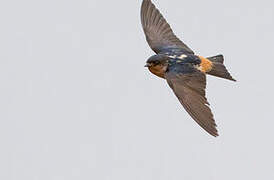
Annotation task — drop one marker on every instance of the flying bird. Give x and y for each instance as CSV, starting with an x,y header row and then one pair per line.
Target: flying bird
x,y
184,71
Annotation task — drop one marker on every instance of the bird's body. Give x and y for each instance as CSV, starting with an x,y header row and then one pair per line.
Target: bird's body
x,y
182,61
184,71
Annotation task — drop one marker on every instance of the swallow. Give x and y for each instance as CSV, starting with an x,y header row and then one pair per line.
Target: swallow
x,y
184,71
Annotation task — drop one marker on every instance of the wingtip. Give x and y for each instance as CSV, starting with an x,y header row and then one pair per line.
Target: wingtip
x,y
213,133
232,79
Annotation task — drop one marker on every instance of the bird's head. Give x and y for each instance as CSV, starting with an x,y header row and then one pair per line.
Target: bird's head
x,y
157,60
158,64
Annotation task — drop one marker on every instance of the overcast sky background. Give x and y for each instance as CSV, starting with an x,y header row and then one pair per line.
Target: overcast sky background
x,y
77,103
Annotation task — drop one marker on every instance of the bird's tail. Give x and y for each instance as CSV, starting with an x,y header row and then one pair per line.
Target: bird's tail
x,y
218,68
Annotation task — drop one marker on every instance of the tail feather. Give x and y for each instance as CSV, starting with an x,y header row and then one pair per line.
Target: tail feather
x,y
219,68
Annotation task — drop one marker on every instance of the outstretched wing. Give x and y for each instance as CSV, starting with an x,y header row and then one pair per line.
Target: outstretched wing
x,y
159,35
189,85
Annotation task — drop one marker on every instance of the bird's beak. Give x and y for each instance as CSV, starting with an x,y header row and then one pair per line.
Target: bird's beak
x,y
147,65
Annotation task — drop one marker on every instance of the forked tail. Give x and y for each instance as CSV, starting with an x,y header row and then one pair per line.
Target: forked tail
x,y
219,68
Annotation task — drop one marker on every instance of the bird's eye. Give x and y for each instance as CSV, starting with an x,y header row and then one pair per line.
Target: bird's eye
x,y
156,63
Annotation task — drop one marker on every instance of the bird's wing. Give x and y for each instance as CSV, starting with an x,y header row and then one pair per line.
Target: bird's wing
x,y
159,34
189,85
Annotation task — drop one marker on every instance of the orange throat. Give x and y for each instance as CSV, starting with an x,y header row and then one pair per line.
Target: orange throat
x,y
158,70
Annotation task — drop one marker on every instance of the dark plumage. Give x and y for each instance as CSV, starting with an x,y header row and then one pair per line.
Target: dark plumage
x,y
184,71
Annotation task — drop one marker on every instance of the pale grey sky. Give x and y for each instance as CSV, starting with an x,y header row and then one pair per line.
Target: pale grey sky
x,y
77,103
